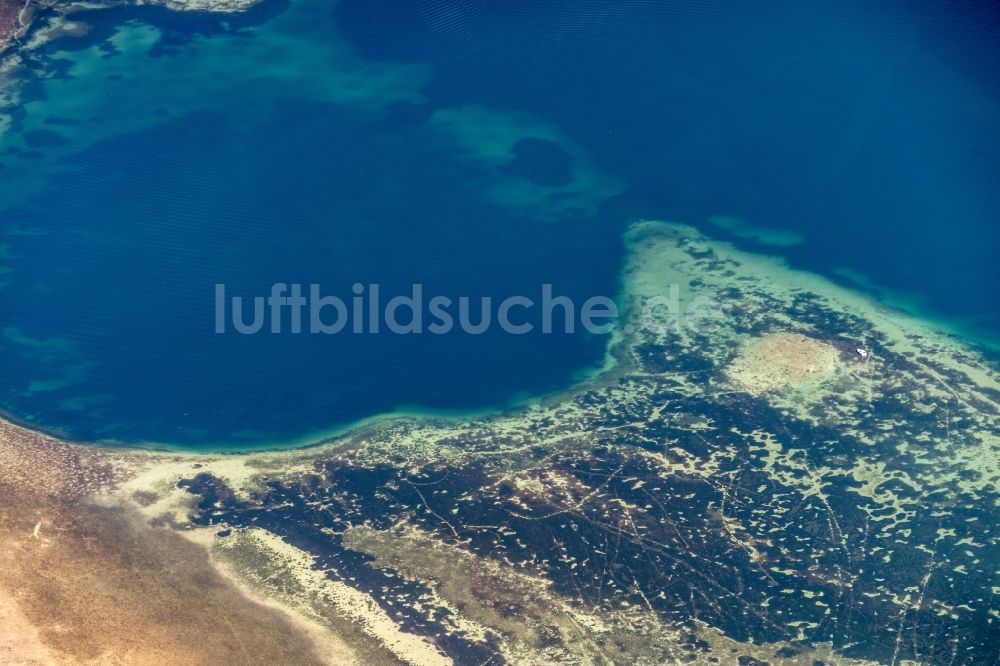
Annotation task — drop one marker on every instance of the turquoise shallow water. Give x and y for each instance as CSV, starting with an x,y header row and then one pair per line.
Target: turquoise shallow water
x,y
479,152
145,177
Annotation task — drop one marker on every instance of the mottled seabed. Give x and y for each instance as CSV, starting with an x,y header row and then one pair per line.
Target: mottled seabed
x,y
752,494
305,119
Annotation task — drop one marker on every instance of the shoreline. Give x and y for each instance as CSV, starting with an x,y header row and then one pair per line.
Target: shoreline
x,y
611,364
585,375
278,531
755,491
581,380
614,364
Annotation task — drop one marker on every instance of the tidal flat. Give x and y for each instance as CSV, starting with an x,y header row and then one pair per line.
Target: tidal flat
x,y
809,478
708,498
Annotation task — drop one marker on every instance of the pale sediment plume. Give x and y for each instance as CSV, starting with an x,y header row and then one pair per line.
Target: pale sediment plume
x,y
331,70
26,25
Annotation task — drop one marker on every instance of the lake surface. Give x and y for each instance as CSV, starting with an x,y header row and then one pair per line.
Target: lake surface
x,y
479,149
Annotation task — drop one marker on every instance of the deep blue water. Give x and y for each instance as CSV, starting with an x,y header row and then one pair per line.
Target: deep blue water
x,y
870,129
116,290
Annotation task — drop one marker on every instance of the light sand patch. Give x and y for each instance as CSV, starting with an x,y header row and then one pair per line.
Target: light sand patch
x,y
19,640
330,648
56,28
350,602
96,584
783,360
